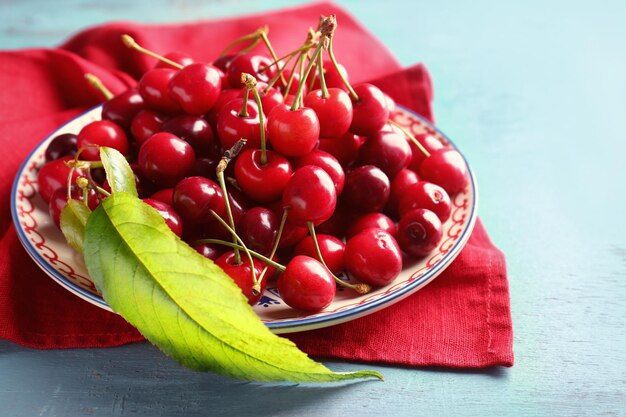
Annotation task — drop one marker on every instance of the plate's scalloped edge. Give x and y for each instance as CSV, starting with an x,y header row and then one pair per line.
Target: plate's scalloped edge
x,y
448,248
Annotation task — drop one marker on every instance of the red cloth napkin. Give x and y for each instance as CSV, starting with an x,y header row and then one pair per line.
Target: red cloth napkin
x,y
462,319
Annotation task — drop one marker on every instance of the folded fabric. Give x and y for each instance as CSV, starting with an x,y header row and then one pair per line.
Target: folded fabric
x,y
462,319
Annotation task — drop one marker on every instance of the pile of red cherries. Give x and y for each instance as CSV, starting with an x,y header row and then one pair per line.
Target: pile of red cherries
x,y
259,161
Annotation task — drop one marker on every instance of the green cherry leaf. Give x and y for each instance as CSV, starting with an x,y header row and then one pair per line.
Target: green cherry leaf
x,y
73,221
119,173
184,303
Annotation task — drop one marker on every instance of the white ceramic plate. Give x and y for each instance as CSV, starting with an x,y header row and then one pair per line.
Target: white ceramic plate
x,y
47,246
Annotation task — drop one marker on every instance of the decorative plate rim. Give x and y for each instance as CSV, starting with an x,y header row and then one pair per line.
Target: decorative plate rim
x,y
281,325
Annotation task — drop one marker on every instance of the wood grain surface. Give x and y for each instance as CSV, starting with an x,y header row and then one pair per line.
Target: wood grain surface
x,y
534,94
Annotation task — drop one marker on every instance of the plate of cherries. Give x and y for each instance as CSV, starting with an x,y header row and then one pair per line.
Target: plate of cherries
x,y
324,201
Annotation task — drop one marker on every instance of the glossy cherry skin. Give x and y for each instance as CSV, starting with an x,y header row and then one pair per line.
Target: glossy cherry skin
x,y
209,250
58,201
165,195
388,150
447,168
196,87
419,232
367,189
370,112
306,284
331,76
176,56
332,250
258,228
399,184
334,112
345,149
270,98
53,175
293,133
242,274
165,159
262,183
373,257
426,195
232,126
154,89
60,146
373,220
122,108
325,161
310,196
145,124
252,64
292,234
430,143
172,219
194,197
194,130
338,223
101,133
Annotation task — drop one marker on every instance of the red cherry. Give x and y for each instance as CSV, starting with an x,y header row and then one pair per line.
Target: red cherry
x,y
447,168
101,133
225,96
242,274
429,142
154,86
53,175
399,184
389,151
164,195
194,130
196,87
338,222
145,124
332,250
332,77
325,161
345,148
165,158
367,189
372,220
419,232
292,234
373,257
258,228
232,126
262,183
176,56
209,250
172,219
252,64
370,112
58,201
306,284
60,146
426,195
270,98
122,108
334,112
194,197
293,132
309,196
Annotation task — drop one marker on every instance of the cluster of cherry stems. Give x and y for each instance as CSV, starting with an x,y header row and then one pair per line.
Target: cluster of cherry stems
x,y
255,159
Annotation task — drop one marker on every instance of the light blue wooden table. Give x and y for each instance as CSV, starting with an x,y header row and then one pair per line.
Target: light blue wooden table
x,y
535,96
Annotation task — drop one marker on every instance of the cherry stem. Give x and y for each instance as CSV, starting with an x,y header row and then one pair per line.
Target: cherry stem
x,y
254,37
130,43
360,287
96,83
257,255
244,107
320,70
411,137
303,77
250,83
267,43
279,234
256,287
331,55
221,167
279,74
